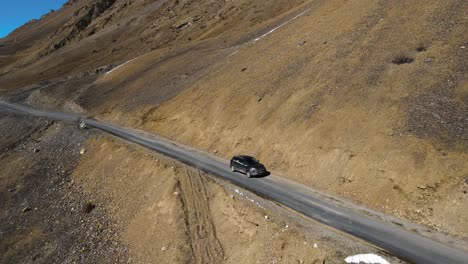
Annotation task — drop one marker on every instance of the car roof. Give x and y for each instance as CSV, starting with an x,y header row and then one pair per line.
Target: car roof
x,y
243,156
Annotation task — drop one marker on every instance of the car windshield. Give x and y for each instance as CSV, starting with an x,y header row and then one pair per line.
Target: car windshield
x,y
251,160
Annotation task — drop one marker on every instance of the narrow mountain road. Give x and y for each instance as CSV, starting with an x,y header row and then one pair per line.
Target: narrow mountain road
x,y
402,243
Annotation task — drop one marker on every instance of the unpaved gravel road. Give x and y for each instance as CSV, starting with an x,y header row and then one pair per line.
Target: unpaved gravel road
x,y
402,243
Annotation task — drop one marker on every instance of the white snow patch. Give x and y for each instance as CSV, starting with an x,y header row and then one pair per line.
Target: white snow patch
x,y
274,29
119,66
232,54
366,258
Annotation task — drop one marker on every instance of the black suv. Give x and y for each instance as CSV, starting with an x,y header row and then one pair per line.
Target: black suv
x,y
248,165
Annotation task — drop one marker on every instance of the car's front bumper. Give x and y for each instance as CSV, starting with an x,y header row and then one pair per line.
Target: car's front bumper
x,y
258,172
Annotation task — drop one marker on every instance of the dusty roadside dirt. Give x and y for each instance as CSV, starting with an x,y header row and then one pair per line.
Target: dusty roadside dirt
x,y
45,217
75,196
173,214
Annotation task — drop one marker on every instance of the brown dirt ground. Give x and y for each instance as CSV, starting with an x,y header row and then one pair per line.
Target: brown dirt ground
x,y
117,203
363,99
44,216
173,214
336,113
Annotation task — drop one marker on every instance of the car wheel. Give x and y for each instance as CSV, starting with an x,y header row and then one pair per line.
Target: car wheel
x,y
248,174
232,168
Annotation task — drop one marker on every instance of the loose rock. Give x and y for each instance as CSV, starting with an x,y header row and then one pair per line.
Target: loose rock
x,y
89,207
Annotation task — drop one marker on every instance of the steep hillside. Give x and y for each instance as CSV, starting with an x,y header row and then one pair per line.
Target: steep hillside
x,y
365,99
88,34
76,196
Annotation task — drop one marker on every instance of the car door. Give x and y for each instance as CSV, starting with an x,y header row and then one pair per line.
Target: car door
x,y
235,163
242,165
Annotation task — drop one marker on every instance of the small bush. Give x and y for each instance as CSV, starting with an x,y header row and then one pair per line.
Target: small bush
x,y
402,59
89,207
421,48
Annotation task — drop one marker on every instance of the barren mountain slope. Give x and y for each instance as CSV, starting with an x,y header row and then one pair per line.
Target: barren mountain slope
x,y
365,99
88,34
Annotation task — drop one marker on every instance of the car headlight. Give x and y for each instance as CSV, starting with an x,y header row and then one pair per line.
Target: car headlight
x,y
253,169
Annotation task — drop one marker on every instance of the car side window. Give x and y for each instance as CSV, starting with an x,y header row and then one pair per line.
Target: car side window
x,y
241,161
